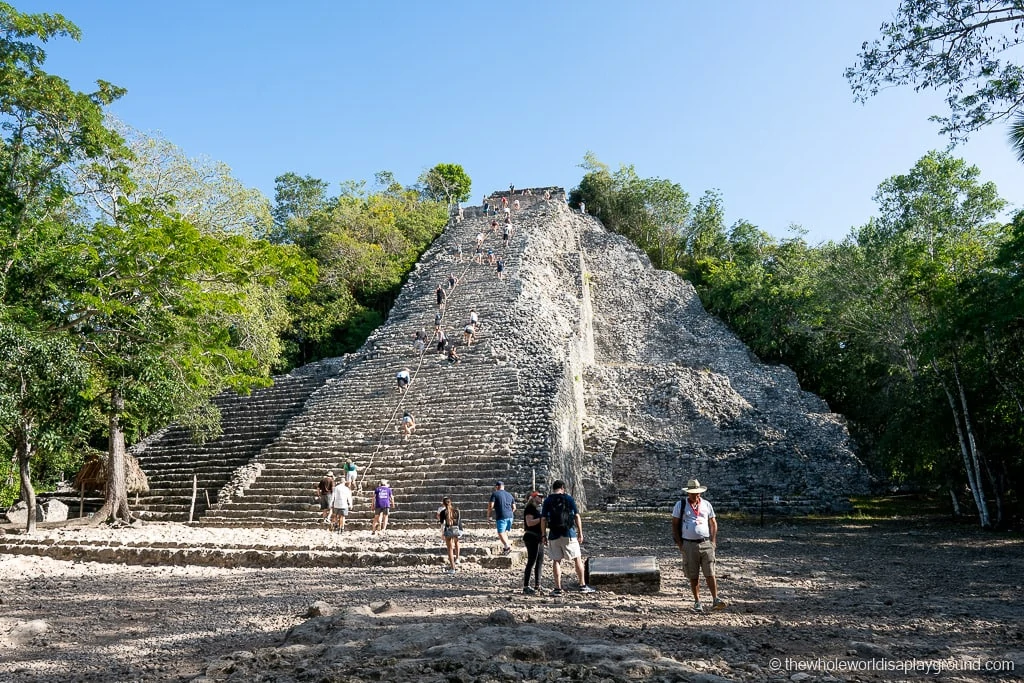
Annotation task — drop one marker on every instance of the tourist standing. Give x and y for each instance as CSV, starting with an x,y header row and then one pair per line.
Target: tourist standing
x,y
695,531
324,490
383,502
341,503
503,506
451,531
532,541
350,473
561,522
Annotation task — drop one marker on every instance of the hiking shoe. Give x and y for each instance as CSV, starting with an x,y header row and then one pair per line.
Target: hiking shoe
x,y
719,604
529,591
556,591
449,570
698,607
587,589
507,550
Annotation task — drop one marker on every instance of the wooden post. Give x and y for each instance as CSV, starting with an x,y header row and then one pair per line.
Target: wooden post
x,y
534,475
206,492
81,502
192,509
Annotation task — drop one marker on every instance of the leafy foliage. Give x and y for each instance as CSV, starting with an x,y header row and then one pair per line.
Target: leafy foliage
x,y
960,47
911,326
654,213
363,244
446,182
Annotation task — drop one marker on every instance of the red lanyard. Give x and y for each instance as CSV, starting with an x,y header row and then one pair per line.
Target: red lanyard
x,y
696,509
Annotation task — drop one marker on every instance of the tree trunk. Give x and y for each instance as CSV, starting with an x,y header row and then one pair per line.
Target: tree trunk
x,y
115,505
956,503
967,449
28,494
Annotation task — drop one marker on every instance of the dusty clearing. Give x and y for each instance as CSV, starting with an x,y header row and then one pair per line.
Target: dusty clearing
x,y
864,600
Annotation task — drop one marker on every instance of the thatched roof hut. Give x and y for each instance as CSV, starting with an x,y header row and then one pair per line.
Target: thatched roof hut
x,y
93,475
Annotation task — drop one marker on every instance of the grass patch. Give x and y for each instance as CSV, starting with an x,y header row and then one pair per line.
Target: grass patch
x,y
902,505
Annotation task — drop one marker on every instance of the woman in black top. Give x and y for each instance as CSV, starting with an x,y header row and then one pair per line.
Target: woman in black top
x,y
532,541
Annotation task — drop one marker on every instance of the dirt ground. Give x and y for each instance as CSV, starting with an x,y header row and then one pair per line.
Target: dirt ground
x,y
825,600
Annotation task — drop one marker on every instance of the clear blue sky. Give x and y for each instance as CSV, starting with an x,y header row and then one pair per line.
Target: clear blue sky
x,y
747,97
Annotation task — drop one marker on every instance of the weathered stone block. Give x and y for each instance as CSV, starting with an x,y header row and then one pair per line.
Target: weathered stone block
x,y
52,511
18,513
624,574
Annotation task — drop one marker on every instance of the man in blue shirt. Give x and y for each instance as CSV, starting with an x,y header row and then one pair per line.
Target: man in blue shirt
x,y
503,506
560,519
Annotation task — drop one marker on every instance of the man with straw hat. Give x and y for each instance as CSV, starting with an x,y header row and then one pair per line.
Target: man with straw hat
x,y
695,531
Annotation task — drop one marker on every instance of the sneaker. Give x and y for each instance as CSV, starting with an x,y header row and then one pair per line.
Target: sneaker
x,y
587,589
507,550
529,591
719,604
556,591
449,570
698,607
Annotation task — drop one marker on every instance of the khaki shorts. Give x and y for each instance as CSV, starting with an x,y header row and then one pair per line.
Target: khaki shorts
x,y
697,557
564,548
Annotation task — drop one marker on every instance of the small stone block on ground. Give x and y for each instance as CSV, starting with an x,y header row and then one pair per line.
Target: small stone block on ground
x,y
624,574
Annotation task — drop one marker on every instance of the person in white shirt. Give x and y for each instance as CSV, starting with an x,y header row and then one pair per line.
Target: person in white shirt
x,y
695,531
402,379
341,503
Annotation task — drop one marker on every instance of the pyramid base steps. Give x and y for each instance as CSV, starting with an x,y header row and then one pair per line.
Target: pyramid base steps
x,y
374,552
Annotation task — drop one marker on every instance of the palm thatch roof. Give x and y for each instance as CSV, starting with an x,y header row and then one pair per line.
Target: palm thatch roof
x,y
93,475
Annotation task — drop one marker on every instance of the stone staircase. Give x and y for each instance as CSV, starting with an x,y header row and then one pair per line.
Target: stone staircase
x,y
483,419
170,458
589,366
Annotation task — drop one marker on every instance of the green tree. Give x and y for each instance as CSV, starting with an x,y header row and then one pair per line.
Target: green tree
x,y
44,403
154,305
447,183
47,130
935,233
201,190
296,200
960,47
652,212
1017,137
47,127
364,244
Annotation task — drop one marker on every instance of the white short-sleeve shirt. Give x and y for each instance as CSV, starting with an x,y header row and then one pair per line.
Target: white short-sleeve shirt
x,y
695,522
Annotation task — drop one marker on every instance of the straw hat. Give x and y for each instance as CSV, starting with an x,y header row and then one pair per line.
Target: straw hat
x,y
693,486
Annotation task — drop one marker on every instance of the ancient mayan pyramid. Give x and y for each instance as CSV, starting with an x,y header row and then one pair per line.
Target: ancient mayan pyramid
x,y
588,365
